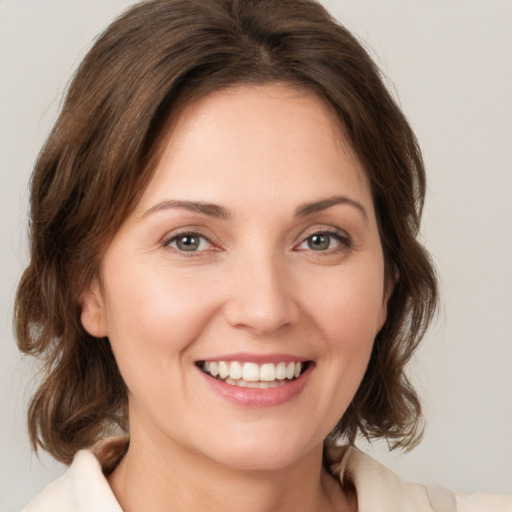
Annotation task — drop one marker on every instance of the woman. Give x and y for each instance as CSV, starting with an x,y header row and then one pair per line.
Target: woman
x,y
224,264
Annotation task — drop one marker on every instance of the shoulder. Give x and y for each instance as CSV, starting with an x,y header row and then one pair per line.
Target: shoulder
x,y
380,490
82,488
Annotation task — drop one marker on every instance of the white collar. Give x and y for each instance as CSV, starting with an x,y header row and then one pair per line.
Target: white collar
x,y
84,488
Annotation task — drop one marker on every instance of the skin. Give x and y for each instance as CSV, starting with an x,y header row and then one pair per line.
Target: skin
x,y
254,285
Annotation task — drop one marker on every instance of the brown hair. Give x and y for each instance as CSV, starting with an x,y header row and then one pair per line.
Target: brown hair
x,y
101,154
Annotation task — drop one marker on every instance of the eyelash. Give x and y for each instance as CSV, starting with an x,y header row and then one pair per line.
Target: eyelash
x,y
183,234
341,238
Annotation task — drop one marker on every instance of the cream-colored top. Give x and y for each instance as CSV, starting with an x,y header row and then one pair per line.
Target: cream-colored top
x,y
84,488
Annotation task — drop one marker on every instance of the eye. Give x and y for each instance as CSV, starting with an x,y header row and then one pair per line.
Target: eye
x,y
189,242
323,241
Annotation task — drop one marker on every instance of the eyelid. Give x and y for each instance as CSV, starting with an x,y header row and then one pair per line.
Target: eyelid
x,y
340,235
192,231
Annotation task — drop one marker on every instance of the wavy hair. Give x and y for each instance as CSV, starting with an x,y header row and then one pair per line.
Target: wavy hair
x,y
99,157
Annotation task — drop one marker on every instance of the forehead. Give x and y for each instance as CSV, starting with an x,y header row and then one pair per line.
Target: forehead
x,y
271,141
252,110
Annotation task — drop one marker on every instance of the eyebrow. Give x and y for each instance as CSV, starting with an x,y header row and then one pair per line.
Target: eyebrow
x,y
324,204
212,210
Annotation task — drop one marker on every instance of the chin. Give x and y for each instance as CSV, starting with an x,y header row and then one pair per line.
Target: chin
x,y
261,451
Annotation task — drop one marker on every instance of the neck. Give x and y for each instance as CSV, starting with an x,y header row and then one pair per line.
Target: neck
x,y
159,475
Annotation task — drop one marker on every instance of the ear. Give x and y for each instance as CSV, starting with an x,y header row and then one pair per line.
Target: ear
x,y
390,281
93,313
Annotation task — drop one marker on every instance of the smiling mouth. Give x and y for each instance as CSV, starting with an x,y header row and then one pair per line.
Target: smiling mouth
x,y
253,375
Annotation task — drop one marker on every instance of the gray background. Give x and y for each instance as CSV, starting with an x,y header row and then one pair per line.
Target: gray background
x,y
451,64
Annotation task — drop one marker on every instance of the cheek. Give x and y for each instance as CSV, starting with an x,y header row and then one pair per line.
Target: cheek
x,y
350,305
347,310
156,313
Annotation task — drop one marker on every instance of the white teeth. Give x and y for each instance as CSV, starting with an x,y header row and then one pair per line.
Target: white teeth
x,y
235,370
251,374
281,371
255,385
268,372
214,368
223,370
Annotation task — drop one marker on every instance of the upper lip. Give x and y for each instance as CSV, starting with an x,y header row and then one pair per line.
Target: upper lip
x,y
244,357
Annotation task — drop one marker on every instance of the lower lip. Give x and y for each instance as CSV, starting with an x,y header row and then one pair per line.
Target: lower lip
x,y
255,397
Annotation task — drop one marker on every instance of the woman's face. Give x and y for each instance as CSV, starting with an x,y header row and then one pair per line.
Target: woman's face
x,y
253,254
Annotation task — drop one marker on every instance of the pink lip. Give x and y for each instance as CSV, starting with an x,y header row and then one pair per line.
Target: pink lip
x,y
249,397
243,357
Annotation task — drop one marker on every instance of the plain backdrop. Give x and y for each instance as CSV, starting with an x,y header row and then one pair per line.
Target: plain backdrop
x,y
449,63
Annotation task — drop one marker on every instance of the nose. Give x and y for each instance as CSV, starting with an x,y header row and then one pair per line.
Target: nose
x,y
261,296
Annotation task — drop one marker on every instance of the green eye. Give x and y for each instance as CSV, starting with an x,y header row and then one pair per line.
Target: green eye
x,y
189,242
319,241
323,241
